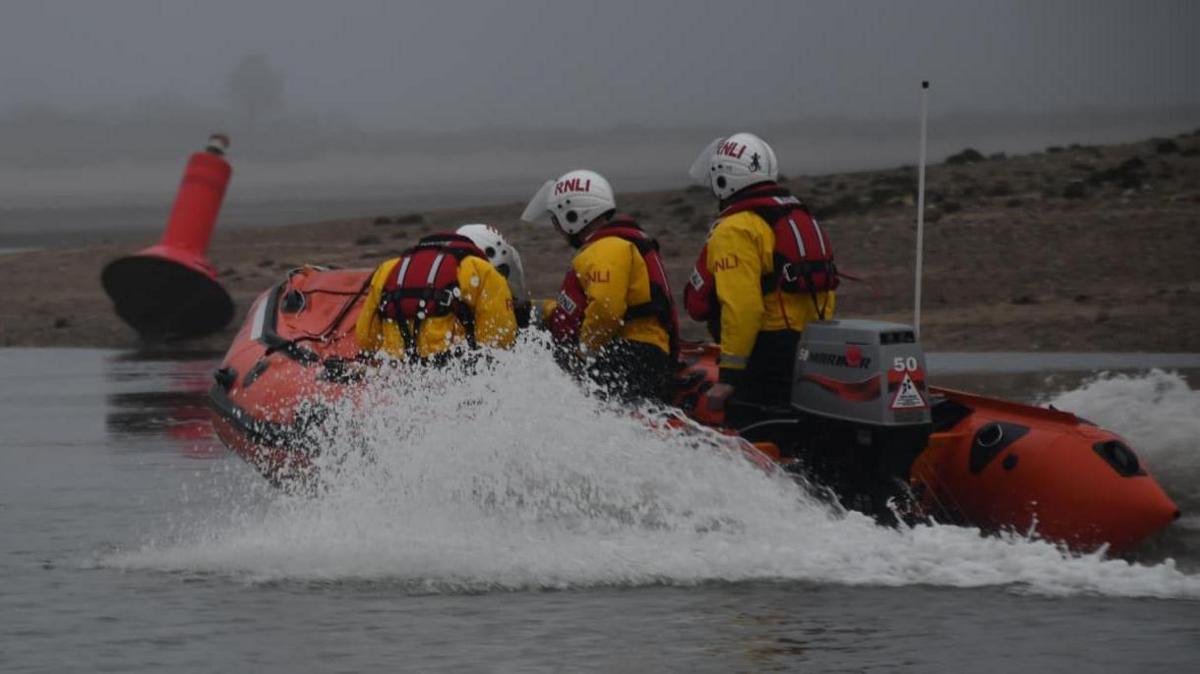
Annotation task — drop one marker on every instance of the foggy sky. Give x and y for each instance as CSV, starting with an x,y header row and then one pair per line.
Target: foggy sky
x,y
459,65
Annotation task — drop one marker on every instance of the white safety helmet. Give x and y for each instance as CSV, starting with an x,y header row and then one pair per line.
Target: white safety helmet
x,y
503,256
731,164
572,202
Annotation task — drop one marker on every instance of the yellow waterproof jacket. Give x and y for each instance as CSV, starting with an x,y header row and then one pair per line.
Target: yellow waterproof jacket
x,y
741,249
484,291
613,277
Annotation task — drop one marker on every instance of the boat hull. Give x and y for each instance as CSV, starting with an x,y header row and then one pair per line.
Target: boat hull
x,y
988,463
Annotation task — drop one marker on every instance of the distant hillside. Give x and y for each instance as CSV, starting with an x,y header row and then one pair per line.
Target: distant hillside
x,y
1072,248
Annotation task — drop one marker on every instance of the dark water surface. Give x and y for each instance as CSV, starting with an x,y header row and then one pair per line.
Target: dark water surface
x,y
128,542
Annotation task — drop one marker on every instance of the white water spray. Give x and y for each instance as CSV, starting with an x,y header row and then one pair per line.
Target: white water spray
x,y
516,478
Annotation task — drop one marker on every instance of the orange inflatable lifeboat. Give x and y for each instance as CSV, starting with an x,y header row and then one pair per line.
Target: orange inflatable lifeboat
x,y
863,422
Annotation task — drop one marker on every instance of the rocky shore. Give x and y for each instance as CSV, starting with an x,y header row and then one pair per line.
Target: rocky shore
x,y
1080,248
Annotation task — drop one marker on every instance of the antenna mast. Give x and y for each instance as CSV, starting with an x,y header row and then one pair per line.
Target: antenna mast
x,y
921,208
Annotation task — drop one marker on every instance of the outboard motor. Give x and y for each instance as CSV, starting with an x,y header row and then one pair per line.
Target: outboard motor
x,y
859,388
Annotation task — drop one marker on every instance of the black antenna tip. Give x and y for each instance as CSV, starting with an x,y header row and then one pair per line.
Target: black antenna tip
x,y
924,84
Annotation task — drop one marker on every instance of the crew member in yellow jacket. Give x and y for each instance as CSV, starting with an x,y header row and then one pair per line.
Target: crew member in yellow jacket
x,y
440,293
765,272
614,315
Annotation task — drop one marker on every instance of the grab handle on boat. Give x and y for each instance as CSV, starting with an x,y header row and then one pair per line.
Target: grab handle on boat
x,y
225,376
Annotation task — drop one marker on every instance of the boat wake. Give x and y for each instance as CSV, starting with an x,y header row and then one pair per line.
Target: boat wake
x,y
515,477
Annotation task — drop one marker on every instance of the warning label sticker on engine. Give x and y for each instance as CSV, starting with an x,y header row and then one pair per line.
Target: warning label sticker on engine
x,y
908,397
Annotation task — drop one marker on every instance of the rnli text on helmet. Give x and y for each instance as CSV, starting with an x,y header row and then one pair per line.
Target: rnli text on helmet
x,y
573,185
735,150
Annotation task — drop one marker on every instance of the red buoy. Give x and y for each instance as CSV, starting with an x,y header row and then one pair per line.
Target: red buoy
x,y
170,291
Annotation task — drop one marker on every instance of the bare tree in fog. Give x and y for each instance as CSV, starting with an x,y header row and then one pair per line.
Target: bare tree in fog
x,y
255,87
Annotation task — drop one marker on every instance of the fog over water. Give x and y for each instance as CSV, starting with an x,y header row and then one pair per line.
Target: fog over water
x,y
416,104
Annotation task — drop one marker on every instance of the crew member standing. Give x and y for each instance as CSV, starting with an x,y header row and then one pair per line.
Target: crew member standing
x,y
614,317
766,271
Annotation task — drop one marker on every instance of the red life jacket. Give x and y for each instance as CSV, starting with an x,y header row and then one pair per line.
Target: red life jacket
x,y
424,284
566,320
803,256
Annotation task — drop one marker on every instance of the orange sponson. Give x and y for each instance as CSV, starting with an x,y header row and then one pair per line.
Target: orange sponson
x,y
1008,466
1042,471
285,358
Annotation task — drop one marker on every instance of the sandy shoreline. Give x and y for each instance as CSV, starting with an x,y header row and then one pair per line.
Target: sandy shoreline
x,y
1074,249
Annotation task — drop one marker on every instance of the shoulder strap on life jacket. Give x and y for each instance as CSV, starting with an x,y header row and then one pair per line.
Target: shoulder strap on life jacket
x,y
803,255
424,284
662,302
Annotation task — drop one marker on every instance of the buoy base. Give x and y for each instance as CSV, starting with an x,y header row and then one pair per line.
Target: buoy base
x,y
166,293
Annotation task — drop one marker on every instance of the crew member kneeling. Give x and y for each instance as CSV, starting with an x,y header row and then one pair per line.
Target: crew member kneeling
x,y
507,260
614,317
766,271
440,293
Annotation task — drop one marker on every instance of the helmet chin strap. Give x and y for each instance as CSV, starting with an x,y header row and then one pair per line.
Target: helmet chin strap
x,y
579,238
576,239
